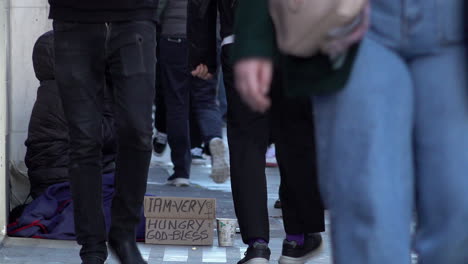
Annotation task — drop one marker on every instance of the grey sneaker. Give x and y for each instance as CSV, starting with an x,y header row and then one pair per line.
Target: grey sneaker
x,y
296,254
219,166
258,253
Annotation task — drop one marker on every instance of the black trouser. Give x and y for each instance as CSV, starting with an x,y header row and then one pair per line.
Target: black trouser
x,y
248,136
160,117
160,114
83,53
160,122
183,94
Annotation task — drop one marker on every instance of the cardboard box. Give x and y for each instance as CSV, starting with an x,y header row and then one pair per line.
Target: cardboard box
x,y
179,221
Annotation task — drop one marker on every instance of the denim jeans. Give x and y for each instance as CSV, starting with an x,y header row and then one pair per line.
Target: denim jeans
x,y
395,140
185,95
84,52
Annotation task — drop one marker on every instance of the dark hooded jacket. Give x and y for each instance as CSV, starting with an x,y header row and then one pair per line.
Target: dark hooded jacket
x,y
47,154
202,27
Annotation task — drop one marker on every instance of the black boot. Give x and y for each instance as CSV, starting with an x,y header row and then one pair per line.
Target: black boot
x,y
126,250
93,260
130,187
90,228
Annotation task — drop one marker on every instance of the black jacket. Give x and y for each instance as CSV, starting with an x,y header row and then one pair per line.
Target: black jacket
x,y
201,32
48,142
100,11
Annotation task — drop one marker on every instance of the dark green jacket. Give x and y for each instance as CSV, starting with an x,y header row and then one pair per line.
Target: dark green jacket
x,y
255,37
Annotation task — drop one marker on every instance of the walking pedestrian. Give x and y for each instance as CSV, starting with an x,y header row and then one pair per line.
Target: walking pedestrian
x,y
90,38
248,137
394,141
184,94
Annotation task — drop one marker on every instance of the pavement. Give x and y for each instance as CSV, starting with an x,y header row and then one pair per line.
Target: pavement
x,y
37,251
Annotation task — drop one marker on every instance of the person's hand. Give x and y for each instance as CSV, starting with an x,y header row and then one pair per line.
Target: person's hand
x,y
253,79
202,72
339,45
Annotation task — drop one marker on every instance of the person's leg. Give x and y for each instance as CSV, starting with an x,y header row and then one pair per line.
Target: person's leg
x,y
160,121
132,67
222,96
196,140
206,111
205,108
80,74
247,147
203,94
160,115
176,83
293,128
364,150
303,212
441,145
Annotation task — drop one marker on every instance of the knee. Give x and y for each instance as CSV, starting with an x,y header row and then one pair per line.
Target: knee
x,y
85,151
135,133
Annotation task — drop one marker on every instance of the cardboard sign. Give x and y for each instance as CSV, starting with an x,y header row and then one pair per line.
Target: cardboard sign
x,y
179,221
180,208
163,231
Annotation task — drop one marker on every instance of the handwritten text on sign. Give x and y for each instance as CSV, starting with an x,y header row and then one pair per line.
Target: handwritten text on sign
x,y
180,208
179,231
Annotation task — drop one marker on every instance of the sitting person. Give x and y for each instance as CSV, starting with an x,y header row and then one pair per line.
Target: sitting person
x,y
47,143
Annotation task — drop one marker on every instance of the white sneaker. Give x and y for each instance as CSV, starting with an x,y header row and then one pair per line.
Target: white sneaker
x,y
271,157
219,166
179,182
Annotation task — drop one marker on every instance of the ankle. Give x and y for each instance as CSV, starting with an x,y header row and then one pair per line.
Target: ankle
x,y
119,236
257,240
298,238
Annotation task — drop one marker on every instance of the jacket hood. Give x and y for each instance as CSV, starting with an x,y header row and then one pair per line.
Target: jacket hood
x,y
44,57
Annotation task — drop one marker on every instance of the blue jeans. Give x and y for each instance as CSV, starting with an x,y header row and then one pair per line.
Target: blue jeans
x,y
395,141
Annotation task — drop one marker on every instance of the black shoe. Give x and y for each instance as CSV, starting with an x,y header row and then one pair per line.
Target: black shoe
x,y
160,143
278,204
295,254
126,251
92,260
258,253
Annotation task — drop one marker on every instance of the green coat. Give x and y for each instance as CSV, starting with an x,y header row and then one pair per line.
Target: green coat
x,y
255,37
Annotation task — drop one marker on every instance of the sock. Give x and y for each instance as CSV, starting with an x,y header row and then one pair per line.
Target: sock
x,y
259,240
161,138
298,238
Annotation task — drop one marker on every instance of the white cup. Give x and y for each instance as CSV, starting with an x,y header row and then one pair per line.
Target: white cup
x,y
226,231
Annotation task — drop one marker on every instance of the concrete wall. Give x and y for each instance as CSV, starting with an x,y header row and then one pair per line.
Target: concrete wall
x,y
3,114
21,23
28,20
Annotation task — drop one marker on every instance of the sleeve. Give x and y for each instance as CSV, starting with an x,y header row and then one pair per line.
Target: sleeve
x,y
254,30
201,33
